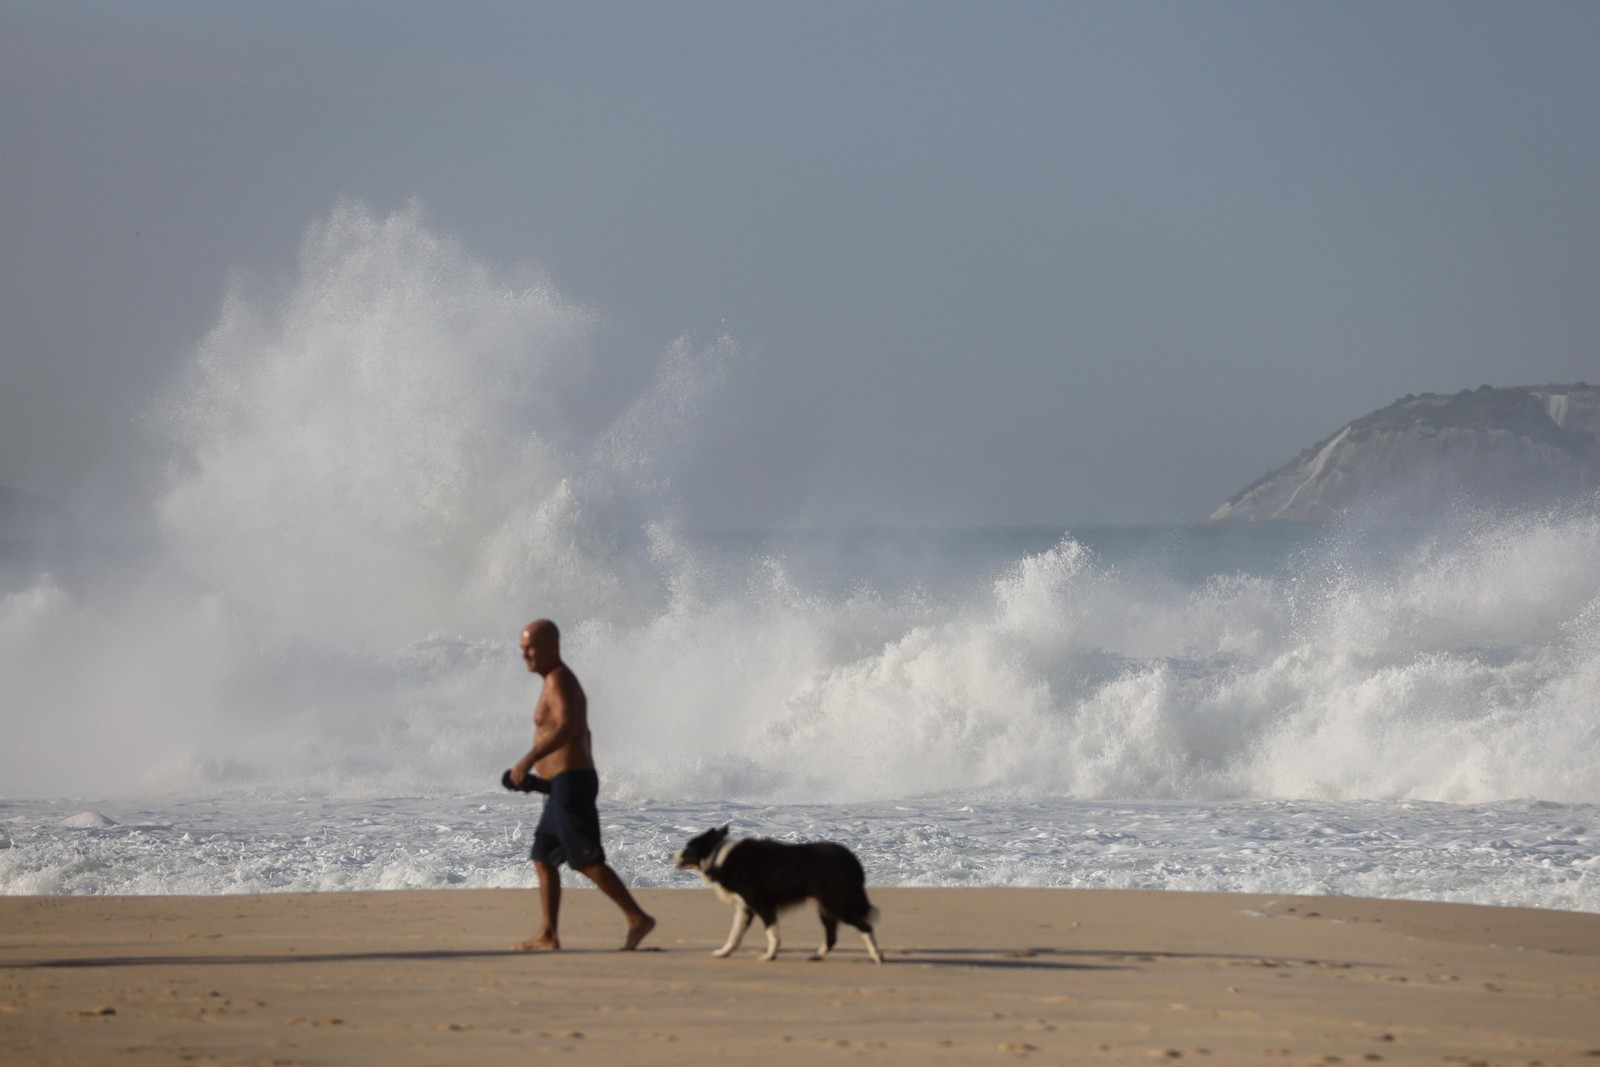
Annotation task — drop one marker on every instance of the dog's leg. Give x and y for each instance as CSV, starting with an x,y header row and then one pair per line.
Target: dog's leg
x,y
741,923
872,945
772,940
830,934
863,920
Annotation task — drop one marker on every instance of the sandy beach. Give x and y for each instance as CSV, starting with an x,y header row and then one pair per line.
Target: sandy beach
x,y
972,975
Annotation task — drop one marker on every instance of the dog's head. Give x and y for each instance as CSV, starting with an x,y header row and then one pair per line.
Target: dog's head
x,y
698,853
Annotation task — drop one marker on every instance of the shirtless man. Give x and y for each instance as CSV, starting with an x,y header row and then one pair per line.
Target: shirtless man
x,y
569,829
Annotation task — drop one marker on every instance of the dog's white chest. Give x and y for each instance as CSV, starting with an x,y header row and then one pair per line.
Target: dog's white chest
x,y
715,862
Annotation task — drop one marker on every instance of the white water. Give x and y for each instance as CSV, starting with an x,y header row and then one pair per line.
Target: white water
x,y
375,481
1530,854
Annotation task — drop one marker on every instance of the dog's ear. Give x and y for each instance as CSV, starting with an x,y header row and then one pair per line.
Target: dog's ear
x,y
726,827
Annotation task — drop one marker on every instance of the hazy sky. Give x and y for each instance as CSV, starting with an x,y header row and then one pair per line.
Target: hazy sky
x,y
987,263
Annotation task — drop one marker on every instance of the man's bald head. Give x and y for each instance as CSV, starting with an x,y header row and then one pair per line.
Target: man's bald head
x,y
543,629
541,646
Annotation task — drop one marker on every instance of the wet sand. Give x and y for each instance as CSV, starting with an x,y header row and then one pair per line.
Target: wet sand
x,y
972,976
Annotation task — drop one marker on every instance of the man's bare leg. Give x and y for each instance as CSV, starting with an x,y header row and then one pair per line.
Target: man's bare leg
x,y
550,904
639,924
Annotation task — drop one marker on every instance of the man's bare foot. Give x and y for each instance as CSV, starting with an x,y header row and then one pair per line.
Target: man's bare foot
x,y
542,943
638,931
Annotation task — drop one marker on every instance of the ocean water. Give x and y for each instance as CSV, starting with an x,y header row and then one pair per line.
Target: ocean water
x,y
1530,854
308,678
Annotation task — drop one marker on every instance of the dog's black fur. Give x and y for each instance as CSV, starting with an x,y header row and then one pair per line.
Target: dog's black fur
x,y
763,877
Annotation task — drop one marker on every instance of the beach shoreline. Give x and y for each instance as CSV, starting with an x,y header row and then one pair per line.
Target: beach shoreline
x,y
1031,975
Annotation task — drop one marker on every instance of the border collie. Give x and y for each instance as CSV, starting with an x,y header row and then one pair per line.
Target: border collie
x,y
761,877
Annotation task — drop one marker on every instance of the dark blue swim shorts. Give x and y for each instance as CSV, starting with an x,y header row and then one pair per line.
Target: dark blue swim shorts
x,y
569,830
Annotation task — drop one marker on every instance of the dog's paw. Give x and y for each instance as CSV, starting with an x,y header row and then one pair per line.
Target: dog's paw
x,y
722,953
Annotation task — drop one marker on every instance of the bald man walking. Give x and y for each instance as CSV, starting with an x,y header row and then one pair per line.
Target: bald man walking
x,y
569,829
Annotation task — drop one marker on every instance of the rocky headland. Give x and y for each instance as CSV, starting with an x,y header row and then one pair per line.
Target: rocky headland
x,y
1516,447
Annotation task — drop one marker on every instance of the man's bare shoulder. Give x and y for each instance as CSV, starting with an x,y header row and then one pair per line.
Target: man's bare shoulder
x,y
565,682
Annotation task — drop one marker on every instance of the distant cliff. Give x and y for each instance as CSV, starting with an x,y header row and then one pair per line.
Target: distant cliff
x,y
1525,446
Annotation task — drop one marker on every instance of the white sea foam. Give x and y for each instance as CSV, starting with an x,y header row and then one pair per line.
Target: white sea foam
x,y
375,481
1526,854
88,820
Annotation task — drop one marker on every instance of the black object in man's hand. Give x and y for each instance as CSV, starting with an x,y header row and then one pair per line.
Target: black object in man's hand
x,y
531,783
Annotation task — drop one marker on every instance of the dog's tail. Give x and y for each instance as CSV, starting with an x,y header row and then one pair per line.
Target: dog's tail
x,y
872,915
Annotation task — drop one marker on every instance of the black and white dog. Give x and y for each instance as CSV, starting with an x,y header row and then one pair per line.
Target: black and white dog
x,y
762,877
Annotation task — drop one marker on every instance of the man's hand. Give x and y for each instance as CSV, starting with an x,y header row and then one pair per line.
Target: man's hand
x,y
520,770
531,783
